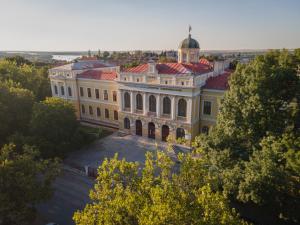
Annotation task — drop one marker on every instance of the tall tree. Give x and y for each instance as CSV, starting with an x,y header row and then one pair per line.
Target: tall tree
x,y
53,126
155,195
15,109
252,153
24,181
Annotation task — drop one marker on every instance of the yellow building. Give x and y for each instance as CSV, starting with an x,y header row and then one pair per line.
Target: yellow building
x,y
154,100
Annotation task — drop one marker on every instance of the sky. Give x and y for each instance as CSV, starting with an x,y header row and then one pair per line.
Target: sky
x,y
80,25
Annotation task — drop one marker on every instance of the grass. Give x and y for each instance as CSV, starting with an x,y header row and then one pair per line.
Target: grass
x,y
96,132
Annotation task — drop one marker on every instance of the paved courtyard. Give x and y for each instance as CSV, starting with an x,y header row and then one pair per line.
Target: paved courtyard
x,y
133,148
72,188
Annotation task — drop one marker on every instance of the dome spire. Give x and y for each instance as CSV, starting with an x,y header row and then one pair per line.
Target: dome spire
x,y
190,29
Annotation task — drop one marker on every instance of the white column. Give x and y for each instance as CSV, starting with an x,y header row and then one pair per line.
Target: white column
x,y
189,110
145,103
120,100
131,102
158,105
173,108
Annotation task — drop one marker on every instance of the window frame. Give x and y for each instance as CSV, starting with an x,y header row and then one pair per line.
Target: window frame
x,y
97,93
89,92
106,113
81,91
203,109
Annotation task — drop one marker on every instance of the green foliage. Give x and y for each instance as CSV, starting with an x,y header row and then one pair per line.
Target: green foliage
x,y
252,154
27,75
259,102
15,109
24,181
126,194
53,126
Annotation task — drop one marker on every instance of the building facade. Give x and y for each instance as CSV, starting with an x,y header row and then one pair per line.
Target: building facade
x,y
154,100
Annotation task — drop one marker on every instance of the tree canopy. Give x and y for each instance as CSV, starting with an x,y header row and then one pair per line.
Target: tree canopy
x,y
124,193
53,125
24,181
254,147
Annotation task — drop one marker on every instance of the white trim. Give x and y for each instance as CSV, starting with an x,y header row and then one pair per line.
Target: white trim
x,y
214,90
98,102
158,91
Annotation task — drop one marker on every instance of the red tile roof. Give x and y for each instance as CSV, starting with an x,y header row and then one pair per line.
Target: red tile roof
x,y
173,68
98,75
219,82
204,61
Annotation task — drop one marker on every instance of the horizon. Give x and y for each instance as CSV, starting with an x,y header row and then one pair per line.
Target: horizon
x,y
75,26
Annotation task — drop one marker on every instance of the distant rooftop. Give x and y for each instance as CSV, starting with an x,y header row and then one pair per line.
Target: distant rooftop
x,y
83,65
98,75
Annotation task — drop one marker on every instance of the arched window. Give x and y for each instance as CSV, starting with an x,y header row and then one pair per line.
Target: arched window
x,y
55,89
127,100
116,115
126,123
180,133
152,103
182,107
139,102
62,89
70,91
106,114
166,105
98,112
91,110
205,130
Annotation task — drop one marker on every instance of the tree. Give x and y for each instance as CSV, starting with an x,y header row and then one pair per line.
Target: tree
x,y
155,195
27,76
262,99
89,53
53,126
24,181
15,109
252,153
106,54
268,180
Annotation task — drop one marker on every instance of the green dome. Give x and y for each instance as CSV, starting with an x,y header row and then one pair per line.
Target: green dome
x,y
189,43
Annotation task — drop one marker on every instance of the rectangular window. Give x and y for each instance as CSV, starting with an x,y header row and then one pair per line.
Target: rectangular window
x,y
207,108
55,89
97,93
82,109
91,110
81,91
115,115
98,112
89,92
106,113
114,96
105,95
